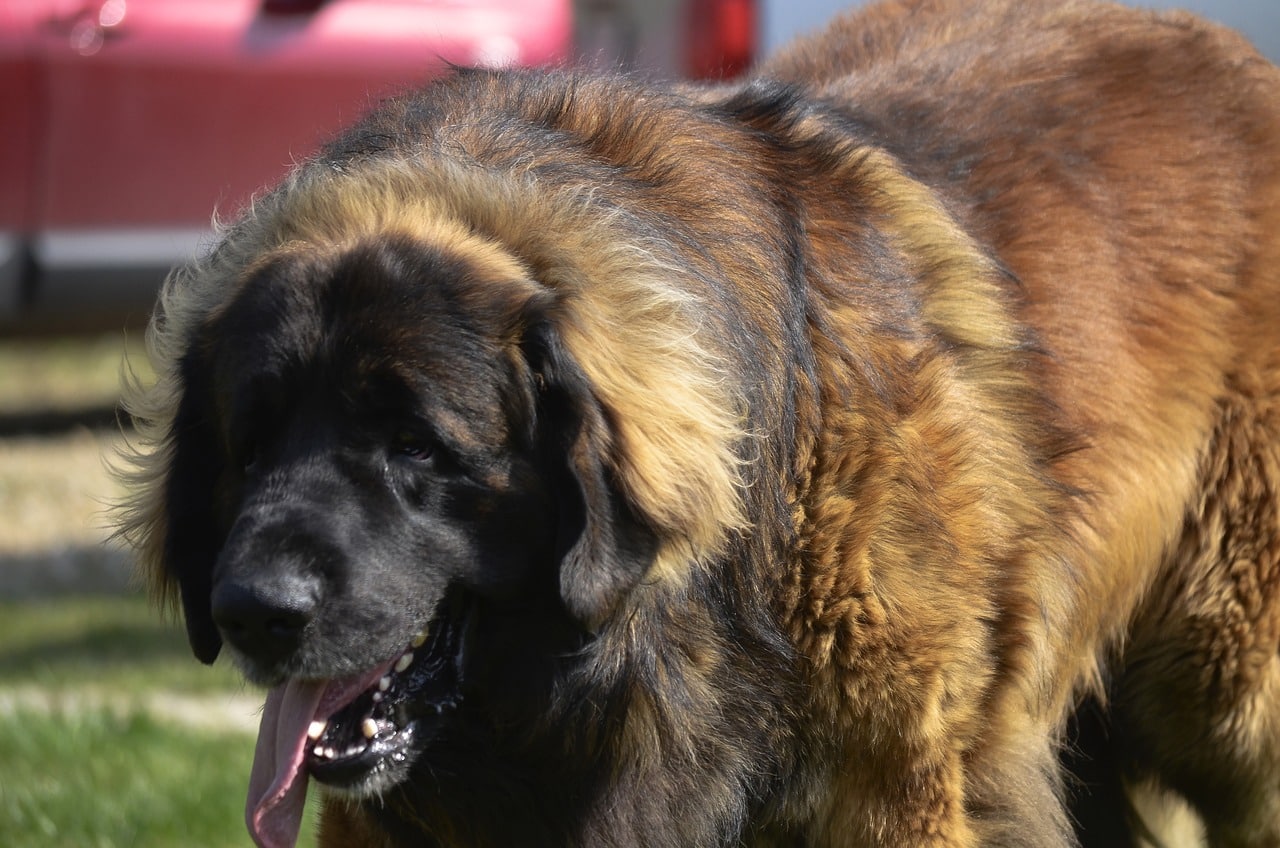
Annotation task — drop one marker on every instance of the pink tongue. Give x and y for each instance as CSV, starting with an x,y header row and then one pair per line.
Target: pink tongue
x,y
277,784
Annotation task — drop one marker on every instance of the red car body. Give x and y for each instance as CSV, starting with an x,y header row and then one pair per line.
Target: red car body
x,y
128,122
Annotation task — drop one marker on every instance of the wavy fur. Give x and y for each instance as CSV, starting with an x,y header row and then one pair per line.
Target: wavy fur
x,y
884,409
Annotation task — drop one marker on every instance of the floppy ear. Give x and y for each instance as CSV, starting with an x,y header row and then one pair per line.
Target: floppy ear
x,y
192,537
603,546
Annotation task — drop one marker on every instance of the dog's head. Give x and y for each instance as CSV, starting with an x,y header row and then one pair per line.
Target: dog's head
x,y
419,434
403,479
388,496
360,432
381,454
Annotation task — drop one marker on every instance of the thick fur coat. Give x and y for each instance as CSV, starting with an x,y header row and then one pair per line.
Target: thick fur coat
x,y
775,463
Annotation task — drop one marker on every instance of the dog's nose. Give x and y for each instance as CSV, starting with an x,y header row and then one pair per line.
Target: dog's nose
x,y
265,620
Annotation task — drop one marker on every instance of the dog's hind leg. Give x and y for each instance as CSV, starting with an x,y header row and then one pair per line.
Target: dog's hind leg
x,y
1198,700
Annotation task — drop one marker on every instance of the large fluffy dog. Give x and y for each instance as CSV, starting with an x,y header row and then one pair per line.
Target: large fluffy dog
x,y
584,463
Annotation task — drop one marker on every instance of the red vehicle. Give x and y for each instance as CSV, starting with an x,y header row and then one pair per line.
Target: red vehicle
x,y
127,122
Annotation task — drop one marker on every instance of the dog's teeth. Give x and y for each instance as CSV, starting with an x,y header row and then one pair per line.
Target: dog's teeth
x,y
404,662
369,728
419,639
377,697
384,684
316,730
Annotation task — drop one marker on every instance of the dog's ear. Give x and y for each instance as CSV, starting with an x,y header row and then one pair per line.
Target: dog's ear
x,y
192,537
603,546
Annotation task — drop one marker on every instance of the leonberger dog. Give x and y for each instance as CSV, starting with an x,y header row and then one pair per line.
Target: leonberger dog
x,y
579,461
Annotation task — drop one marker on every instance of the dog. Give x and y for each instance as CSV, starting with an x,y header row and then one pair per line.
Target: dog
x,y
583,461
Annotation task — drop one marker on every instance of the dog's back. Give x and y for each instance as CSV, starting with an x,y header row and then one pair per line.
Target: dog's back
x,y
1125,167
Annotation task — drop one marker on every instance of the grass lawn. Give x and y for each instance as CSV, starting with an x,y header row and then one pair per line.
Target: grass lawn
x,y
101,780
108,744
112,644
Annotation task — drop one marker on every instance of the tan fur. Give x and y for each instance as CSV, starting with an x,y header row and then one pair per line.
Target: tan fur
x,y
1010,436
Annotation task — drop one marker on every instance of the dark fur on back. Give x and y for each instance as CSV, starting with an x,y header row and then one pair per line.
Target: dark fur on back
x,y
799,453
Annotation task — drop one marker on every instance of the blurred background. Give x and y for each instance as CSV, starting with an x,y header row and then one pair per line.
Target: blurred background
x,y
124,126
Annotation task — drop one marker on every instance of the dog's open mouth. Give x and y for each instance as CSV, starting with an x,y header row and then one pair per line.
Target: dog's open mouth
x,y
356,734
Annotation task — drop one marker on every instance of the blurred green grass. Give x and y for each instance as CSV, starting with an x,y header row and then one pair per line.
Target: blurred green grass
x,y
101,779
104,643
115,750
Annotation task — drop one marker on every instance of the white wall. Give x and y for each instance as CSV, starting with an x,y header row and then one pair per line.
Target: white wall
x,y
1258,19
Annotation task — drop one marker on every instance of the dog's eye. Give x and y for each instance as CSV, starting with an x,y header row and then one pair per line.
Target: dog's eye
x,y
413,445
